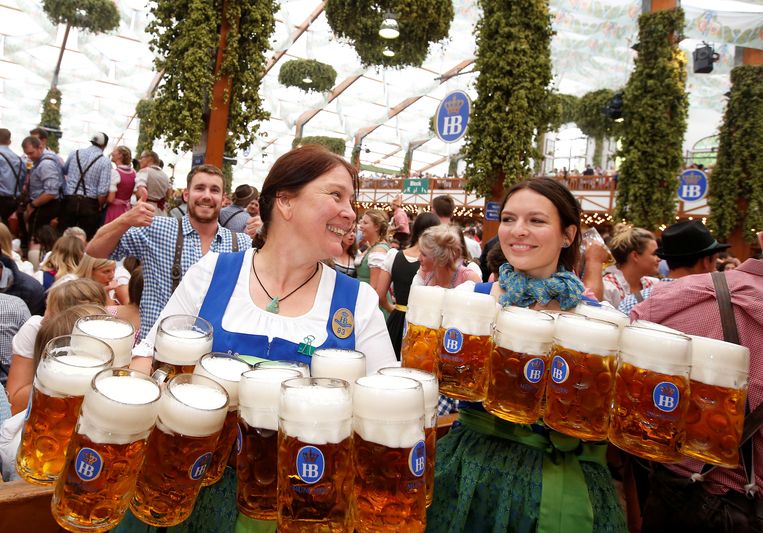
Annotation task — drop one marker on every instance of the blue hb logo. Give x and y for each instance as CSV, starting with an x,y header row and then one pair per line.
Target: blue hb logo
x,y
417,459
560,371
199,467
666,396
239,439
310,464
88,464
453,340
534,369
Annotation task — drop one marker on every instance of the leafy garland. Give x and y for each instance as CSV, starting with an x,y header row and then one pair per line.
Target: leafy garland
x,y
334,144
514,62
294,72
656,106
407,160
95,16
185,37
51,116
738,174
593,122
146,128
421,23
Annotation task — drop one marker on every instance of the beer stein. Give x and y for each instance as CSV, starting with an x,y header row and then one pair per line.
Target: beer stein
x,y
106,451
581,376
653,325
257,450
117,333
465,344
718,390
180,342
62,378
226,370
431,397
314,455
422,325
388,455
299,366
348,365
603,312
180,449
518,363
651,393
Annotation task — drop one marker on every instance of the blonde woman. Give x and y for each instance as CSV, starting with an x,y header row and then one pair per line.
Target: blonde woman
x,y
441,258
102,271
373,226
63,259
634,250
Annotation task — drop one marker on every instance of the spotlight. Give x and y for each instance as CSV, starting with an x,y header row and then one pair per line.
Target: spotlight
x,y
307,79
387,52
389,28
704,56
614,109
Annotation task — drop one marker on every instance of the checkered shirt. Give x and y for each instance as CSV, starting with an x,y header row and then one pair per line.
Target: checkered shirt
x,y
446,405
629,302
155,247
97,179
13,313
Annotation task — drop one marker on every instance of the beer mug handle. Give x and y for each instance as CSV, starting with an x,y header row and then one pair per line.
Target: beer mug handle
x,y
161,375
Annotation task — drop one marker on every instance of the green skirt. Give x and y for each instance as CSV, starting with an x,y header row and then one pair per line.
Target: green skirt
x,y
490,483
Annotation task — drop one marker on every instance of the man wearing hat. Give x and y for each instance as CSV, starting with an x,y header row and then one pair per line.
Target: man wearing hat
x,y
245,204
689,248
86,186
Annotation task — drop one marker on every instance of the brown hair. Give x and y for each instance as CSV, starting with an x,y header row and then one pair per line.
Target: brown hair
x,y
125,155
135,286
206,169
62,323
379,219
443,205
626,239
63,295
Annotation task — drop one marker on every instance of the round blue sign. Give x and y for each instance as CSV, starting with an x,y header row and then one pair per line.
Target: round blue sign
x,y
534,369
692,185
310,464
453,116
453,340
560,371
417,459
199,466
666,396
88,464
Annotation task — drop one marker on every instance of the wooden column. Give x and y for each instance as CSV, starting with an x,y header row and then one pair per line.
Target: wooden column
x,y
217,125
490,227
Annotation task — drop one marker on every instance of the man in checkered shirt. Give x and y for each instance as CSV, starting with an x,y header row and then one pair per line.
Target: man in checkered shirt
x,y
13,313
152,239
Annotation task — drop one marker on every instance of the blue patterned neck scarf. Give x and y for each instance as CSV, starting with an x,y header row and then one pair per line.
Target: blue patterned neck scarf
x,y
523,291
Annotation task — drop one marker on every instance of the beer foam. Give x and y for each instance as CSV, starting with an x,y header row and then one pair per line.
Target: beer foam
x,y
226,371
68,375
428,383
389,410
315,414
524,330
719,363
302,368
348,365
656,350
118,334
181,346
193,409
425,306
588,335
608,314
120,409
259,391
656,326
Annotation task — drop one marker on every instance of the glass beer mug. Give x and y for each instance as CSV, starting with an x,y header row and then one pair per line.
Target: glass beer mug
x,y
314,455
117,333
257,451
422,325
299,366
518,363
180,342
581,376
106,451
348,365
388,455
62,378
601,312
651,393
179,450
431,397
465,344
718,390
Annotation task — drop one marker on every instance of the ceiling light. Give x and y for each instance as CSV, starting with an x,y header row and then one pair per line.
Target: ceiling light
x,y
389,28
307,79
387,52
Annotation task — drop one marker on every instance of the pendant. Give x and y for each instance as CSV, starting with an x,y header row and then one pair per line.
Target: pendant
x,y
273,307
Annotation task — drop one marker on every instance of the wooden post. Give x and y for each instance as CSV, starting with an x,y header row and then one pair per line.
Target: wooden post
x,y
217,124
662,5
490,227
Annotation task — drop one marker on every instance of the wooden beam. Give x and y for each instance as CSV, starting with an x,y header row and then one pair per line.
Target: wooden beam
x,y
302,28
305,117
434,164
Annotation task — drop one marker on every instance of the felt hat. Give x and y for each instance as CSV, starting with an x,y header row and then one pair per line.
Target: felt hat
x,y
688,238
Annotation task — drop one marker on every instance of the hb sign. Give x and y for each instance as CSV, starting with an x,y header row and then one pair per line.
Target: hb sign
x,y
453,116
692,185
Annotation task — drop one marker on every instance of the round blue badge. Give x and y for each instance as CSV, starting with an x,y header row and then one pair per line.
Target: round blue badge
x,y
417,459
534,369
88,464
453,340
560,371
199,466
310,464
666,396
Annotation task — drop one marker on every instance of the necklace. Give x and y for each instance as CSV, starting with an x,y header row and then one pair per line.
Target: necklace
x,y
273,306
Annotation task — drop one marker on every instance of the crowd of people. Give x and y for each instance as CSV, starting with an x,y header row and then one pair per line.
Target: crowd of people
x,y
271,272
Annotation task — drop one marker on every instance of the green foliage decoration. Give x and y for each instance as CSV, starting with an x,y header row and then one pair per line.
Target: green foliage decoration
x,y
421,22
514,62
96,16
51,116
294,72
737,179
185,38
406,170
655,109
146,128
334,144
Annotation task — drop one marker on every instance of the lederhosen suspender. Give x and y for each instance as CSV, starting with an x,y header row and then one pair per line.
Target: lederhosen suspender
x,y
17,175
82,173
177,271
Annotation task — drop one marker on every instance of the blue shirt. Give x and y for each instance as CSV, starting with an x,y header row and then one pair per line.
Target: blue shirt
x,y
155,247
97,179
10,185
234,218
629,302
47,177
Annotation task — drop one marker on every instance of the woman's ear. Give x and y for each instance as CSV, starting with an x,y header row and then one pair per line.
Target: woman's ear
x,y
569,233
284,205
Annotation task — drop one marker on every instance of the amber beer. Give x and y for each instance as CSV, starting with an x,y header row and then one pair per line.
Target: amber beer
x,y
191,414
422,328
389,455
314,455
257,452
465,343
348,365
581,376
106,451
226,370
718,389
518,364
431,397
117,333
63,376
651,393
181,340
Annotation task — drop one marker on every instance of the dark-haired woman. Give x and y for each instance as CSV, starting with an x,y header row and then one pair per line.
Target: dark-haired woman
x,y
493,475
